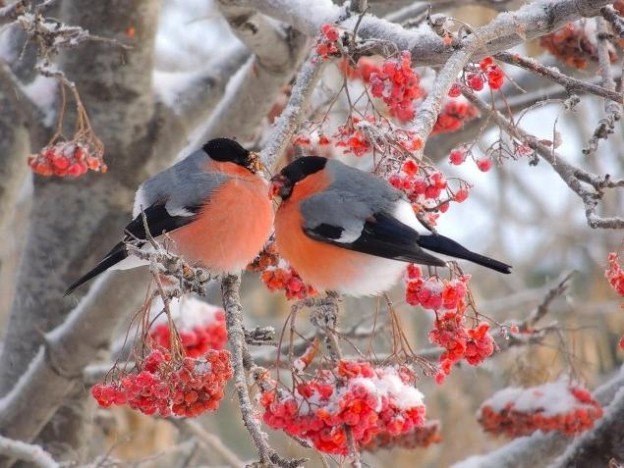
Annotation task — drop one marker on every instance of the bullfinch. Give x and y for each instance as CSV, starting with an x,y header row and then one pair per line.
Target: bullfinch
x,y
213,205
348,231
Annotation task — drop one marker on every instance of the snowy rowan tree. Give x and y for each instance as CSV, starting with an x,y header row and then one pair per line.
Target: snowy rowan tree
x,y
500,122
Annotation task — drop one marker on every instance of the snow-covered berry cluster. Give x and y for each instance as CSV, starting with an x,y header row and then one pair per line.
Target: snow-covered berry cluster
x,y
200,326
555,406
398,85
278,275
166,386
368,400
574,44
66,158
448,299
326,44
360,136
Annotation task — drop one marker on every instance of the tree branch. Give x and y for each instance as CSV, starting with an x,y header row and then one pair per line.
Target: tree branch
x,y
230,286
574,177
285,127
530,21
68,349
277,54
26,452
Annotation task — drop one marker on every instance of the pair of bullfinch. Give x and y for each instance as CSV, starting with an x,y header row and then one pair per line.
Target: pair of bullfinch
x,y
340,228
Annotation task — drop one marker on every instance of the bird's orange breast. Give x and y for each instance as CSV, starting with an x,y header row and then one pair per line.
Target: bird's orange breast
x,y
324,266
231,228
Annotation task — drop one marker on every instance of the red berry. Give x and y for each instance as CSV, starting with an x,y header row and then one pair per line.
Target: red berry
x,y
475,81
484,164
455,90
457,157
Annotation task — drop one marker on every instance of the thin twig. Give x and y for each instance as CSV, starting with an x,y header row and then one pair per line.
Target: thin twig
x,y
573,176
571,85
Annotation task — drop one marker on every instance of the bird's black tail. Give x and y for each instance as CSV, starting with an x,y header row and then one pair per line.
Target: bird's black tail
x,y
444,245
116,255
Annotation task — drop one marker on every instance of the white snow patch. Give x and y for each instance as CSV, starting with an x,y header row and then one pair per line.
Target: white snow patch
x,y
550,399
187,312
42,92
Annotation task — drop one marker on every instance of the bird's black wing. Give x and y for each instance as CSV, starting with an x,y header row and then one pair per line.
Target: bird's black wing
x,y
382,235
158,220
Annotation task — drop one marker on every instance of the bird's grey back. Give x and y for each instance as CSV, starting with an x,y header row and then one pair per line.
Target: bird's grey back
x,y
185,184
352,197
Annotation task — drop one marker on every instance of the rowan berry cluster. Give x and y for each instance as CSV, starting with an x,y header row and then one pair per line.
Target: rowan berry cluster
x,y
615,274
573,45
368,400
66,158
278,275
555,406
326,44
487,72
447,298
453,116
396,83
200,326
427,189
361,136
420,436
165,386
459,155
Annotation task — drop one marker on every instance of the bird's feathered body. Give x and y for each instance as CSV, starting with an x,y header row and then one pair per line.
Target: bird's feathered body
x,y
216,213
345,230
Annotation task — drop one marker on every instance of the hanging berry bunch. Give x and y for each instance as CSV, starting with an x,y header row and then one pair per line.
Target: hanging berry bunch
x,y
178,373
448,299
73,157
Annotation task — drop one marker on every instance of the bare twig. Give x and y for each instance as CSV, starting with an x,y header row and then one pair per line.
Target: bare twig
x,y
571,84
542,309
614,19
575,178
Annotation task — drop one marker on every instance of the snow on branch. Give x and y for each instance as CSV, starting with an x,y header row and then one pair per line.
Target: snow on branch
x,y
427,48
26,452
58,365
539,449
293,114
